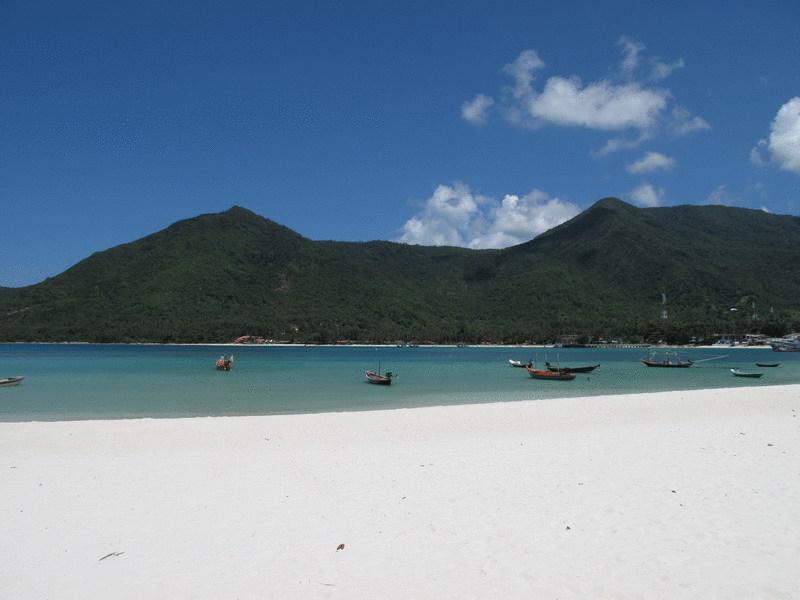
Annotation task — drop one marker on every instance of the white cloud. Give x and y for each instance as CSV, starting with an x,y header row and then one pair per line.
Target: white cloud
x,y
621,143
623,103
475,110
721,195
454,216
647,195
682,122
652,161
630,54
522,70
601,105
661,70
755,153
784,138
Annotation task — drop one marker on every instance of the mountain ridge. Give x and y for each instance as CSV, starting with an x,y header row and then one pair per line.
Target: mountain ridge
x,y
219,275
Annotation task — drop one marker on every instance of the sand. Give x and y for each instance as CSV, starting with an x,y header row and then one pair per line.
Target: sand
x,y
668,495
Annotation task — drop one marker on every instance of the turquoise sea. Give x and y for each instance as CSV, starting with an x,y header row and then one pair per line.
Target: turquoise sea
x,y
86,381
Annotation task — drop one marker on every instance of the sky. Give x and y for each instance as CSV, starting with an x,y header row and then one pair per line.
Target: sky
x,y
477,124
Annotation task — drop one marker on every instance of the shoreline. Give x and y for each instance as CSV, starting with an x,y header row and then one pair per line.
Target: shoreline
x,y
668,494
631,346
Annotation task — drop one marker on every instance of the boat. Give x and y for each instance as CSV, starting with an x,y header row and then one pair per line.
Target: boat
x,y
556,369
10,381
224,364
378,379
550,375
768,364
787,346
739,373
670,360
520,364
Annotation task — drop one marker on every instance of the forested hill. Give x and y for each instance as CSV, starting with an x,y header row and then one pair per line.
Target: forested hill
x,y
217,276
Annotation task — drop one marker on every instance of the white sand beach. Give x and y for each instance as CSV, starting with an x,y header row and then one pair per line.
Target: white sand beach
x,y
667,495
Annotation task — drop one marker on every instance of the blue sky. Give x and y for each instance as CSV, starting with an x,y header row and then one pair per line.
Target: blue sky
x,y
478,124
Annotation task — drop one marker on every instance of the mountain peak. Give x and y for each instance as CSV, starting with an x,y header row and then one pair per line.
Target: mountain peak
x,y
611,203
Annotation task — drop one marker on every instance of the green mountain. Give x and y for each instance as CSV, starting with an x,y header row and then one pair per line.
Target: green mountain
x,y
217,276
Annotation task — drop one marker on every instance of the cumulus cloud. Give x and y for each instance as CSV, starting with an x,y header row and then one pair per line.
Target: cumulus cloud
x,y
783,143
624,103
454,216
647,195
475,110
601,105
652,161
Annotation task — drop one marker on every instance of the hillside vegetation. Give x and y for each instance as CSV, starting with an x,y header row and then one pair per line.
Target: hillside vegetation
x,y
602,274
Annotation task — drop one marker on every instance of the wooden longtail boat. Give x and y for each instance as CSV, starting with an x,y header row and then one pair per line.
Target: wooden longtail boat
x,y
555,369
378,379
550,375
669,361
768,364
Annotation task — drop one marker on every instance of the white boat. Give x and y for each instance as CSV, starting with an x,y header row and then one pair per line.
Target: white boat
x,y
519,363
739,373
10,381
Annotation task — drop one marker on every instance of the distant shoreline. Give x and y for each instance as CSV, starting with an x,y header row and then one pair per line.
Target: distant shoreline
x,y
456,346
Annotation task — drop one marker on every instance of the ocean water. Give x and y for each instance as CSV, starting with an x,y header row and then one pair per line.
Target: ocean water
x,y
85,381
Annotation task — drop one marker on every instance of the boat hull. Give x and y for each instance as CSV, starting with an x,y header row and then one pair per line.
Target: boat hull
x,y
376,379
745,374
550,376
587,369
667,364
10,381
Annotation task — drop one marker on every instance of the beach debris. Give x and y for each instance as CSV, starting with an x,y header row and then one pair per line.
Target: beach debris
x,y
767,445
340,547
674,492
109,555
568,528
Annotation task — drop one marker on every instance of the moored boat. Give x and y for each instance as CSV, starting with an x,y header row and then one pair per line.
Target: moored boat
x,y
550,375
739,373
557,369
378,379
519,363
669,360
10,381
768,364
224,364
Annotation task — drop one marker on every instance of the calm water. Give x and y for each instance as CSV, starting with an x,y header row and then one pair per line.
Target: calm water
x,y
65,382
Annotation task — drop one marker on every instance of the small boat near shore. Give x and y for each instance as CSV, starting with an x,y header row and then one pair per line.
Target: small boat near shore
x,y
557,369
10,381
550,375
224,364
670,360
519,364
739,373
378,379
768,364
